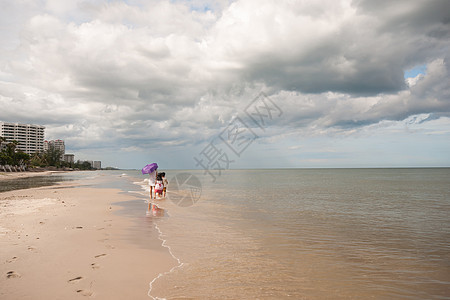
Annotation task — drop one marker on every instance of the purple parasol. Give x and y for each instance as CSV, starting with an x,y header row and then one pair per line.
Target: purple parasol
x,y
149,168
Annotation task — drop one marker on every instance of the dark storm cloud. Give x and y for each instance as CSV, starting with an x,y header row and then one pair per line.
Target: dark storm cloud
x,y
365,54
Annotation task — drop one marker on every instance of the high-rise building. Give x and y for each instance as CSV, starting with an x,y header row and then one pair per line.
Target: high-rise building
x,y
56,144
30,137
97,165
69,158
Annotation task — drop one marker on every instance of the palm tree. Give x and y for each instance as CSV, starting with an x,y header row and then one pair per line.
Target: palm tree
x,y
3,156
37,159
53,156
10,155
2,139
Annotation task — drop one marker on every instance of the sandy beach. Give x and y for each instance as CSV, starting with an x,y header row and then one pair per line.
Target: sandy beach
x,y
67,242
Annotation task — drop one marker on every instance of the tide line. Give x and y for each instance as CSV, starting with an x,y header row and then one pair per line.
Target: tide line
x,y
180,264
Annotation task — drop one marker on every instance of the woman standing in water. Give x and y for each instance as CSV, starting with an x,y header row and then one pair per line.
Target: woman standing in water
x,y
152,182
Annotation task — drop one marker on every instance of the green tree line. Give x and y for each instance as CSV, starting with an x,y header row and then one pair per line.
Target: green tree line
x,y
11,155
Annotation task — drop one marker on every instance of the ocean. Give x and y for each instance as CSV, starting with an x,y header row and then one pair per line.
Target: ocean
x,y
294,233
306,234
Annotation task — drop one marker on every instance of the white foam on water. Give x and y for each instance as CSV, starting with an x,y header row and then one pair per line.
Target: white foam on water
x,y
180,264
143,184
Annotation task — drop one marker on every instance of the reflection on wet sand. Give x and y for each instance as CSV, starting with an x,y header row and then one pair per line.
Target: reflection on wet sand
x,y
155,211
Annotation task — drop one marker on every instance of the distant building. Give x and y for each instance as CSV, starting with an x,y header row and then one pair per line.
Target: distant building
x,y
97,165
57,144
69,158
94,164
80,162
30,137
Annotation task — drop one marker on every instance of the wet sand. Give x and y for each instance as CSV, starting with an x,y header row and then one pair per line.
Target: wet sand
x,y
13,175
67,242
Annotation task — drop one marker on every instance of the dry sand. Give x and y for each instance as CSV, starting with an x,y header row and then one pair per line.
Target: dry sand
x,y
67,243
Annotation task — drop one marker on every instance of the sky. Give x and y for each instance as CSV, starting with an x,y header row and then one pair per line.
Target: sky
x,y
232,84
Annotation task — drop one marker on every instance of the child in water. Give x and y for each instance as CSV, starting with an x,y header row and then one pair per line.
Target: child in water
x,y
165,183
159,186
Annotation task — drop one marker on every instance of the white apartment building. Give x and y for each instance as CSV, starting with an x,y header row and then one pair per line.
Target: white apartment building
x,y
69,158
97,165
57,144
30,137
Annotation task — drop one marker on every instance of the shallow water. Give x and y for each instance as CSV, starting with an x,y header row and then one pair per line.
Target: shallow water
x,y
32,182
311,234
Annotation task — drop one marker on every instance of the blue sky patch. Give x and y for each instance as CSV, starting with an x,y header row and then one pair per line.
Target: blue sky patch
x,y
411,73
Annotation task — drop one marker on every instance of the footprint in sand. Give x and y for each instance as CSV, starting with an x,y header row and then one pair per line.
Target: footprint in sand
x,y
31,248
74,280
12,274
86,293
100,255
12,259
95,266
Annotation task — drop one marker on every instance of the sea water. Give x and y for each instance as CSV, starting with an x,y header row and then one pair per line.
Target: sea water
x,y
305,234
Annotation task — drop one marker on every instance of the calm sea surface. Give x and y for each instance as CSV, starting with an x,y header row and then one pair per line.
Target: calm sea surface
x,y
309,234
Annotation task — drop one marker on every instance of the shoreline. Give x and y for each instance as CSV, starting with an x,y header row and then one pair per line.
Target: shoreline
x,y
63,241
26,174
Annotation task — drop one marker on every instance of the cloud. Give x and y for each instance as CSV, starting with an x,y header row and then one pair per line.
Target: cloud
x,y
136,75
340,50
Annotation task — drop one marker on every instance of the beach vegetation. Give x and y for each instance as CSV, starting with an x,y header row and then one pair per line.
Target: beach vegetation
x,y
38,160
10,155
84,165
52,157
